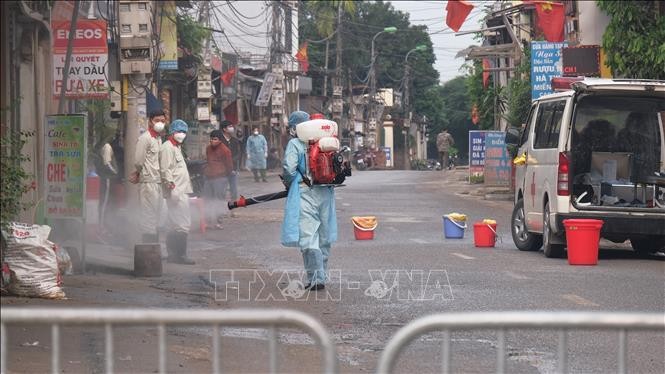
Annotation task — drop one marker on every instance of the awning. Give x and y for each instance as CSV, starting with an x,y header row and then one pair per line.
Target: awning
x,y
477,52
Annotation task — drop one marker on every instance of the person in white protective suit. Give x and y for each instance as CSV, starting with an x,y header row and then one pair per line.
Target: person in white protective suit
x,y
176,185
147,175
310,221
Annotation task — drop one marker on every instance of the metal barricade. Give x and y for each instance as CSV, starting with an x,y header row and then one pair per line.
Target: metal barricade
x,y
109,318
502,321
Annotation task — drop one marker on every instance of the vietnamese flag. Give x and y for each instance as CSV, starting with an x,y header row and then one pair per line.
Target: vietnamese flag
x,y
228,76
302,58
551,18
457,10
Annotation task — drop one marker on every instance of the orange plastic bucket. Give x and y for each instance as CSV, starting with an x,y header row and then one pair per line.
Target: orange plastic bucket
x,y
484,234
363,227
582,237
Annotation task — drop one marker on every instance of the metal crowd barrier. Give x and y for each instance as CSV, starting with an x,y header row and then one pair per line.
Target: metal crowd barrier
x,y
109,318
502,321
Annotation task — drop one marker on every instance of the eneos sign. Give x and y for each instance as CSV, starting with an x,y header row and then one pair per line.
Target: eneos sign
x,y
88,66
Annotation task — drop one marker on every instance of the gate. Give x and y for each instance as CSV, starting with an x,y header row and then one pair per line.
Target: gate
x,y
503,321
271,320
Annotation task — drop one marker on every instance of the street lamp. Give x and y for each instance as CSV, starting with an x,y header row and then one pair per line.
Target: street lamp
x,y
389,30
372,76
407,84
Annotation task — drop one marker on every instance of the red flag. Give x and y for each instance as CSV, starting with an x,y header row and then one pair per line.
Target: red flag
x,y
486,73
457,10
551,17
228,76
301,56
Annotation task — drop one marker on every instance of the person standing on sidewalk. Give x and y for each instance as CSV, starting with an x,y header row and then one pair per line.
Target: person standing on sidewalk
x,y
229,140
147,175
176,186
257,153
107,170
310,221
218,168
443,143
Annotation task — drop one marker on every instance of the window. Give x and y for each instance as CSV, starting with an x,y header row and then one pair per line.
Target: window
x,y
126,28
143,27
143,6
124,7
527,125
548,125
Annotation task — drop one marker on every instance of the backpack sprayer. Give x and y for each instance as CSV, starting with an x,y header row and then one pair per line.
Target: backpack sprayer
x,y
325,158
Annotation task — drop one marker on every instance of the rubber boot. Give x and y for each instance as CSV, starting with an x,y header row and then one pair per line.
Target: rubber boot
x,y
171,247
182,249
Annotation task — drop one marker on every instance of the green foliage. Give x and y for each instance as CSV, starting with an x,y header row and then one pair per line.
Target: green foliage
x,y
519,92
634,40
191,34
483,98
359,25
15,180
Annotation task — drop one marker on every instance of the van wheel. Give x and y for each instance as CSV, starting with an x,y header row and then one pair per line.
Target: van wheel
x,y
550,249
523,239
648,244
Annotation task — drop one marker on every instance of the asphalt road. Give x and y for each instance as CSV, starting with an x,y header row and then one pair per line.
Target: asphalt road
x,y
377,286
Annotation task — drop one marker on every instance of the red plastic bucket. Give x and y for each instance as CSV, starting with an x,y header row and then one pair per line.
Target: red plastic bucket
x,y
484,234
361,234
362,230
582,237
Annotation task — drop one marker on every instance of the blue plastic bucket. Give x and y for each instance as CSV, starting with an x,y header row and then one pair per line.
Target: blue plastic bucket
x,y
453,229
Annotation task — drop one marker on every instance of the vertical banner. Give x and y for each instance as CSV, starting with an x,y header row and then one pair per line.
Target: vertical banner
x,y
497,163
168,37
546,64
88,67
65,161
476,156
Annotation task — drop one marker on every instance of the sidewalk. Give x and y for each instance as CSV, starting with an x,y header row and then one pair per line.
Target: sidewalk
x,y
459,177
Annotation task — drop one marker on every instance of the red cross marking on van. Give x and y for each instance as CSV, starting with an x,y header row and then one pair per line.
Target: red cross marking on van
x,y
533,189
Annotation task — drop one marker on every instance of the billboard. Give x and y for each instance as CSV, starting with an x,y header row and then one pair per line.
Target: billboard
x,y
65,166
168,37
88,67
583,60
476,156
497,162
546,64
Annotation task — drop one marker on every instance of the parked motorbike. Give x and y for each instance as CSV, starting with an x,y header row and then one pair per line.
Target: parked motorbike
x,y
196,175
363,159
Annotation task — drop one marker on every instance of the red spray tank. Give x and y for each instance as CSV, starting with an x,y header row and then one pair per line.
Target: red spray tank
x,y
326,161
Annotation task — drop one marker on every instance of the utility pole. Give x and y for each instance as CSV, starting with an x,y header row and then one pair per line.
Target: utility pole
x,y
325,66
407,111
338,105
276,59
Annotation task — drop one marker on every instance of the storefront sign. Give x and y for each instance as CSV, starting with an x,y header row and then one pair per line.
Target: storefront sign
x,y
266,89
497,163
476,156
545,64
65,171
168,37
88,67
581,61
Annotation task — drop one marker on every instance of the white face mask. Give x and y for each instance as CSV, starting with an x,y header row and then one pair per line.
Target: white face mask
x,y
230,129
256,133
179,137
158,126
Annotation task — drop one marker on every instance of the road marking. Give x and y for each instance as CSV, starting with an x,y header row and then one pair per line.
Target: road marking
x,y
463,256
420,241
515,275
579,300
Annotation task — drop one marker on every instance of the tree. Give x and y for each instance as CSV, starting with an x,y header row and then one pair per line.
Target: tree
x,y
633,40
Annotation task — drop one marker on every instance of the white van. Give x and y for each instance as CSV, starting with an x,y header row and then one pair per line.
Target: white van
x,y
596,151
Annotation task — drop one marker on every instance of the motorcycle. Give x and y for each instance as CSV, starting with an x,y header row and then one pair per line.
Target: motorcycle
x,y
196,175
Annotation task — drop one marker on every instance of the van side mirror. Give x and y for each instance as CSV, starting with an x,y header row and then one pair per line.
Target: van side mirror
x,y
513,136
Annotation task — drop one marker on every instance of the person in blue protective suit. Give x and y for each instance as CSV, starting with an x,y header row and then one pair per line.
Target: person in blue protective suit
x,y
310,221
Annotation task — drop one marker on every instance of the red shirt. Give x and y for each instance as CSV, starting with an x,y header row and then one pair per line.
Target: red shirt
x,y
220,161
